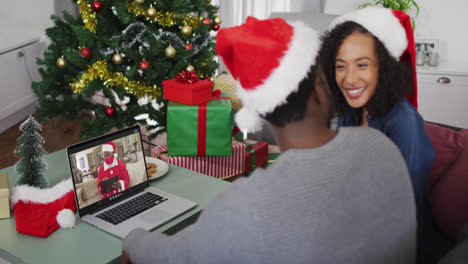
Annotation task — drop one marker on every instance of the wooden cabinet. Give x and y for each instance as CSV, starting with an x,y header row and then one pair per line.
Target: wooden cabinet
x,y
443,96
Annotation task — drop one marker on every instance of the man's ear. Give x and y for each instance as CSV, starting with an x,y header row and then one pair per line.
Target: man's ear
x,y
321,94
313,103
314,97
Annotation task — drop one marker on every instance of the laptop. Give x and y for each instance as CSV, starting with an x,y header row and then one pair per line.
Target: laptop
x,y
115,195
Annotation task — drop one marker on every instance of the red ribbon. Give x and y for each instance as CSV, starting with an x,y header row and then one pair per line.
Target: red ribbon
x,y
187,77
201,146
202,109
217,95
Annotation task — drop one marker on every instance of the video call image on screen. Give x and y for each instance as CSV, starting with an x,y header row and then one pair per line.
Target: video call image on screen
x,y
107,169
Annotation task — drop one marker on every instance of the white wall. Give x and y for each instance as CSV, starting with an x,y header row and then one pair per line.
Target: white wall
x,y
234,12
85,158
22,20
446,21
442,20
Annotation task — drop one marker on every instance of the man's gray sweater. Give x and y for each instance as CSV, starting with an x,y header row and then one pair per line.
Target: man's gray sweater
x,y
349,201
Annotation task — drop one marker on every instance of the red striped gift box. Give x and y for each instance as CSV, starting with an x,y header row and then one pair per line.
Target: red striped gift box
x,y
218,167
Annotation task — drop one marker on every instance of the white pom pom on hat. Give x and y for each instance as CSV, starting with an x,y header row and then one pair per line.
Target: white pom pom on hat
x,y
248,120
66,218
269,58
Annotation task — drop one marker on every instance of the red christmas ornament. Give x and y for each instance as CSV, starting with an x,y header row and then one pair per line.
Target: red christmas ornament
x,y
189,46
86,53
206,21
96,6
215,27
110,111
144,65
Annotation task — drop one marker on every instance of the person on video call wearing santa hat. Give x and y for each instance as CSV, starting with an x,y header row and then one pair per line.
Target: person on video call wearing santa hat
x,y
112,167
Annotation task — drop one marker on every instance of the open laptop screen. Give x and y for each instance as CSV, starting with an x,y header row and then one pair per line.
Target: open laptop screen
x,y
107,169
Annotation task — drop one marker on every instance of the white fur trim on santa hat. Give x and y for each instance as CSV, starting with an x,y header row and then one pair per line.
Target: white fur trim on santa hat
x,y
66,218
107,147
248,120
382,23
284,79
26,193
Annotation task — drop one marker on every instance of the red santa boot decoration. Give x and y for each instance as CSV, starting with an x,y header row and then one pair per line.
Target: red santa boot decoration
x,y
39,212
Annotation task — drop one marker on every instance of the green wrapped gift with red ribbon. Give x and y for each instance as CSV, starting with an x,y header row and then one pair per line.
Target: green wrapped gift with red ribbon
x,y
200,130
186,88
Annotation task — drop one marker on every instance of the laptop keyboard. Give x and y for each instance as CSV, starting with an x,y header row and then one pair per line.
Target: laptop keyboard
x,y
131,208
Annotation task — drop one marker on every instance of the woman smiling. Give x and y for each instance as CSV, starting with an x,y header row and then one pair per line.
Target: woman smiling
x,y
365,57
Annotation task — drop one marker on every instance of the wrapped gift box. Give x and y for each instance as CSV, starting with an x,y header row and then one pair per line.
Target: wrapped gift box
x,y
188,93
256,154
4,196
200,130
218,167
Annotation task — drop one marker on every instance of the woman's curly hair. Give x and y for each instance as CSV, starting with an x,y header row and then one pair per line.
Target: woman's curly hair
x,y
394,83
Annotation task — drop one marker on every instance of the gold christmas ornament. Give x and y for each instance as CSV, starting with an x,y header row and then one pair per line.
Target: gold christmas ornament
x,y
186,30
217,20
61,62
170,52
139,1
190,68
226,83
151,12
117,58
208,1
98,71
165,18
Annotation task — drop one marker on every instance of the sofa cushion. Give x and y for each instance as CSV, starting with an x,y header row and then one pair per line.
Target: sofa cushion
x,y
79,195
448,145
449,196
88,189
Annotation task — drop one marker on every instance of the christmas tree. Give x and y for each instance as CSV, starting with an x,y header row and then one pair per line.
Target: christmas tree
x,y
111,60
32,166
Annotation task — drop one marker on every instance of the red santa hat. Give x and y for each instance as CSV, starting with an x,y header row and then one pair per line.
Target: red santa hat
x,y
110,147
39,212
394,29
268,58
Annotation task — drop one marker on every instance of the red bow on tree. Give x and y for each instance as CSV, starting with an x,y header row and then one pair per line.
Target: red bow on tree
x,y
187,77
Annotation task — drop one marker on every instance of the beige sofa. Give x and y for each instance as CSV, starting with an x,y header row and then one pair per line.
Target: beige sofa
x,y
87,193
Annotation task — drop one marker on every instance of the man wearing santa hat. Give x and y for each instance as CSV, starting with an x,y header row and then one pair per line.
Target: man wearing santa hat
x,y
112,167
319,202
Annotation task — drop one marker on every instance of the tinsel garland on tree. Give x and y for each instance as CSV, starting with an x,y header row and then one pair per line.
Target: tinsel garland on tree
x,y
111,60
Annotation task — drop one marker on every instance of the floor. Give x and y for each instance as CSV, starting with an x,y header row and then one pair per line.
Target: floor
x,y
57,132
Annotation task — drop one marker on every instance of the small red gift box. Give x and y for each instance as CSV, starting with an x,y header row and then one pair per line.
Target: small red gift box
x,y
188,91
256,154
